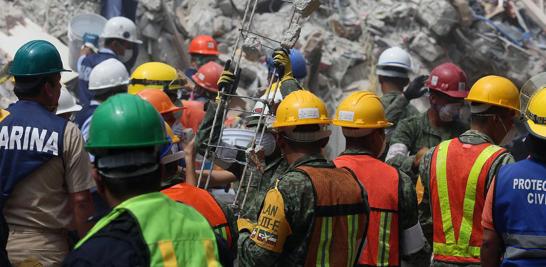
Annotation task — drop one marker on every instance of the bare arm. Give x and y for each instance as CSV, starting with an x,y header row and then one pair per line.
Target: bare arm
x,y
82,208
491,251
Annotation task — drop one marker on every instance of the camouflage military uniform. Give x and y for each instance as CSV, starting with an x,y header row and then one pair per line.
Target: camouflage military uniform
x,y
408,216
415,133
469,137
297,190
397,107
261,182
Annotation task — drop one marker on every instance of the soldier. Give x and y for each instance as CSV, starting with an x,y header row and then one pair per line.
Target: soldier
x,y
314,214
274,163
456,174
393,70
415,135
394,234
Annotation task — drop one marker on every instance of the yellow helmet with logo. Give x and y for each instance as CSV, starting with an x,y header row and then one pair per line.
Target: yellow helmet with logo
x,y
155,75
301,107
536,114
361,110
496,91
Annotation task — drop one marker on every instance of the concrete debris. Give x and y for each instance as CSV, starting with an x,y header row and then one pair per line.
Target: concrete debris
x,y
291,36
341,39
306,7
438,15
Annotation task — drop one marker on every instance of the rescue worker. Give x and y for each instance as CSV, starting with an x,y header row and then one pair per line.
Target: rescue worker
x,y
206,79
120,42
44,169
513,215
393,70
159,76
296,227
90,46
67,105
108,78
457,173
413,136
254,183
394,233
125,136
202,49
161,103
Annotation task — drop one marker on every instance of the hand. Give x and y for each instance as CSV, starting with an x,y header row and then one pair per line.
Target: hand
x,y
281,60
419,156
416,88
227,79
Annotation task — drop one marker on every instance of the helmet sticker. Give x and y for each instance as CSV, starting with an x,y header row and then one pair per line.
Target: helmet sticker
x,y
462,86
346,115
308,113
434,80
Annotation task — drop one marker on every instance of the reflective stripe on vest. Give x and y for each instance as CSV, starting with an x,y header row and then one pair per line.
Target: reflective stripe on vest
x,y
460,247
205,204
338,228
188,243
382,246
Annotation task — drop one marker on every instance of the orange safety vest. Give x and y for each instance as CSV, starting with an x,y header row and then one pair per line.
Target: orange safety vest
x,y
340,217
205,204
458,174
381,181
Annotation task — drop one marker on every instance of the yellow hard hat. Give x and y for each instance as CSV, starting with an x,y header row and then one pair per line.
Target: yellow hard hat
x,y
301,107
536,114
495,90
361,110
154,75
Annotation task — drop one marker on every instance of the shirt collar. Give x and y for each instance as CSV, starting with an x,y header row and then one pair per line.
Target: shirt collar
x,y
106,51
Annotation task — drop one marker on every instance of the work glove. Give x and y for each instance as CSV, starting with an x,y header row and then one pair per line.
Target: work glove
x,y
416,88
227,79
281,60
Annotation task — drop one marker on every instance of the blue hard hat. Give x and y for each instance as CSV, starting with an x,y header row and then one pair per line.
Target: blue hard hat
x,y
297,60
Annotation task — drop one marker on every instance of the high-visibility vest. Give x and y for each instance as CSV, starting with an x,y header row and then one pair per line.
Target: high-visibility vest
x,y
205,204
458,174
519,209
340,217
190,242
381,182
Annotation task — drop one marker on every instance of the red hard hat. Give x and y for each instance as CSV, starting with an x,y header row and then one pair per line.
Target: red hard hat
x,y
204,45
207,76
192,115
449,79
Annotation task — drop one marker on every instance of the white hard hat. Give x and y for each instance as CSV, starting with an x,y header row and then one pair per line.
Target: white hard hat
x,y
120,28
67,103
107,74
394,62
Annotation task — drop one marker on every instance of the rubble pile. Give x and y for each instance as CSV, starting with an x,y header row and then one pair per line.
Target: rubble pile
x,y
341,40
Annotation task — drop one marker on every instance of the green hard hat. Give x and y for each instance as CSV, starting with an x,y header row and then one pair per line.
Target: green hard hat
x,y
126,121
37,57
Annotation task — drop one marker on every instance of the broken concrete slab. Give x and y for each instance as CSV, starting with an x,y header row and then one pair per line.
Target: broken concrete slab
x,y
439,15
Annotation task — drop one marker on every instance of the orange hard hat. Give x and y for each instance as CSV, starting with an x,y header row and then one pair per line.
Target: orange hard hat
x,y
207,76
204,45
159,99
194,112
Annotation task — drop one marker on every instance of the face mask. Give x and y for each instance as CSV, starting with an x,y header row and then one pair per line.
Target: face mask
x,y
127,56
449,112
268,143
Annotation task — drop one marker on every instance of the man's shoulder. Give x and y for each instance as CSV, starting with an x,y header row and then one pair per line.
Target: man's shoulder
x,y
121,241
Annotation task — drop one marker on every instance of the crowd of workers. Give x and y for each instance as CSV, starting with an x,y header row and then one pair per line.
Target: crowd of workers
x,y
110,179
